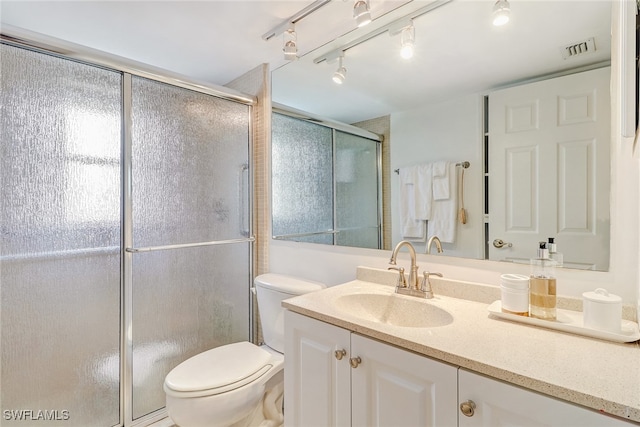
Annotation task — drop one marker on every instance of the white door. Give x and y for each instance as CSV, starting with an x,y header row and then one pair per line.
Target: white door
x,y
394,387
498,404
549,169
317,388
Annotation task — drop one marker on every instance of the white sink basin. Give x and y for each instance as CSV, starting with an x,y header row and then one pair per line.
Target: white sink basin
x,y
393,309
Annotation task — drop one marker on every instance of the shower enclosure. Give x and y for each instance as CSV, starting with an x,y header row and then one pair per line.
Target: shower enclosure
x,y
126,237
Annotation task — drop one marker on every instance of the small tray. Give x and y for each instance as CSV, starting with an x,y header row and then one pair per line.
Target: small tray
x,y
571,321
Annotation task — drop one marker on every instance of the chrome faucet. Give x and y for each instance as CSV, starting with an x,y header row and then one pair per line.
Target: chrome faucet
x,y
413,274
433,239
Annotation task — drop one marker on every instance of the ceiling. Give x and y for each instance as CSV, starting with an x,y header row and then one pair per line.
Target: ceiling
x,y
457,50
213,41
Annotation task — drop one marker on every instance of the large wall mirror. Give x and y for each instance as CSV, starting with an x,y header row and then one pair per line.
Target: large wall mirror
x,y
526,104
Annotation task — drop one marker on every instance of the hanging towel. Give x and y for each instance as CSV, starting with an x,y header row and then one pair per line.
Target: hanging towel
x,y
441,181
422,190
444,212
411,228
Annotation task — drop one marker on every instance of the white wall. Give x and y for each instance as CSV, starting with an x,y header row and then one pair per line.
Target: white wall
x,y
450,131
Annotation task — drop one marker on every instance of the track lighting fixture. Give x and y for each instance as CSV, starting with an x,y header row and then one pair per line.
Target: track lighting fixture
x,y
287,29
407,32
290,47
402,26
407,41
361,12
341,73
501,11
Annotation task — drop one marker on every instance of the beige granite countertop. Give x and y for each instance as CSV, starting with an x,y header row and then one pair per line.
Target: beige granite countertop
x,y
594,373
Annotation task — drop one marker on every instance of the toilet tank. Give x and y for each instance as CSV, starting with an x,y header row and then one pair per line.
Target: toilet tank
x,y
271,290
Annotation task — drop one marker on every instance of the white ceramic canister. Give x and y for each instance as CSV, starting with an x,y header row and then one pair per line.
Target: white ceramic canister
x,y
602,310
515,294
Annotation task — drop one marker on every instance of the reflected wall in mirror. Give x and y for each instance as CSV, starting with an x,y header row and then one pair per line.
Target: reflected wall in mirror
x,y
442,105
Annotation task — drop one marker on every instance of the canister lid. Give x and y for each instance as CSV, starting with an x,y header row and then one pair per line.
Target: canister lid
x,y
601,295
515,281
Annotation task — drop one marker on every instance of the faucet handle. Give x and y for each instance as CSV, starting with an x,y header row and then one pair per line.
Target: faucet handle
x,y
402,281
425,286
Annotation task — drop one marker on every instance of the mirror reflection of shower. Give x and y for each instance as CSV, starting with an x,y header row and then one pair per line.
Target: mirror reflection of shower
x,y
330,197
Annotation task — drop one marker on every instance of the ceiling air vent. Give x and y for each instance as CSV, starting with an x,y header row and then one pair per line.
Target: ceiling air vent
x,y
578,49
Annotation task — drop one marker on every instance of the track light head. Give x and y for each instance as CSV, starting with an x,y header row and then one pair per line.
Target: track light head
x,y
290,46
501,11
341,73
407,41
361,12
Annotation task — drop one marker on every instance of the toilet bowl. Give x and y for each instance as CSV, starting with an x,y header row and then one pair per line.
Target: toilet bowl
x,y
239,384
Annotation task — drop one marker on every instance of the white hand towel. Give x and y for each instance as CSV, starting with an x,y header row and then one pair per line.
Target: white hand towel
x,y
441,171
422,189
444,213
410,227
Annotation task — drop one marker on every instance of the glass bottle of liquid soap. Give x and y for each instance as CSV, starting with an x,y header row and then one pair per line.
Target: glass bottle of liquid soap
x,y
542,285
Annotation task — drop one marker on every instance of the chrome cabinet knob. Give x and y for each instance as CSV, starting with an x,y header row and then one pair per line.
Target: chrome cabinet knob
x,y
355,361
340,354
468,408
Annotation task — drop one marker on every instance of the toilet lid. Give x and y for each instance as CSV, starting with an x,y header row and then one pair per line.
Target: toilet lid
x,y
219,368
287,284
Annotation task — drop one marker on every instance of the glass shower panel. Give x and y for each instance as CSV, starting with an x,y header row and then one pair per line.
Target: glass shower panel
x,y
189,185
302,180
357,205
60,253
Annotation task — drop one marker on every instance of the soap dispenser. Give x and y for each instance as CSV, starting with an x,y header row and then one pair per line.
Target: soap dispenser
x,y
542,285
553,252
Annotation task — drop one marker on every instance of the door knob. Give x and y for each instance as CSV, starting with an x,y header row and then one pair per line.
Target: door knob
x,y
499,243
468,408
355,361
340,354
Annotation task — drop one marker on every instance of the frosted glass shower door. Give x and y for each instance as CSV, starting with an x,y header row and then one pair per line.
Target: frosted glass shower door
x,y
301,180
60,251
189,186
357,207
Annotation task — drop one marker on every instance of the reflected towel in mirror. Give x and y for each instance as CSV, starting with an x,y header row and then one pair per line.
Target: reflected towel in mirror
x,y
441,171
444,213
410,226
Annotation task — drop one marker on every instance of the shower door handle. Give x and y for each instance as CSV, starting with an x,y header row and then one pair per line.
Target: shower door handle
x,y
244,199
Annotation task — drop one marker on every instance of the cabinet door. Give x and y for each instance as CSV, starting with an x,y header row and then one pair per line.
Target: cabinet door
x,y
499,404
394,387
316,383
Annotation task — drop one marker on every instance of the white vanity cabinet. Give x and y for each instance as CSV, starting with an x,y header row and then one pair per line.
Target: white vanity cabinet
x,y
334,377
337,378
490,403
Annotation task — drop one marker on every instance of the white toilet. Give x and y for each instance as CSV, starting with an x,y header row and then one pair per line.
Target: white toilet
x,y
238,384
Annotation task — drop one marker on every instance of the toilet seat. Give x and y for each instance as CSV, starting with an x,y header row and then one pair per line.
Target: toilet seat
x,y
218,371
